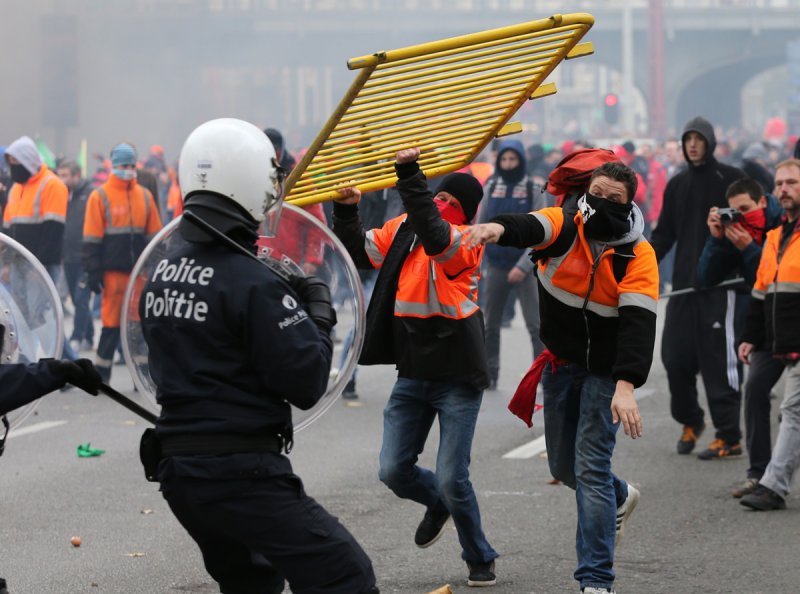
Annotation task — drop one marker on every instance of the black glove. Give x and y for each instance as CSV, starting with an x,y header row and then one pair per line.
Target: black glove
x,y
316,299
93,280
80,373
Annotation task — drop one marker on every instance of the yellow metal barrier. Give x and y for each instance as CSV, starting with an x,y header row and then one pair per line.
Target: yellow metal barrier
x,y
450,98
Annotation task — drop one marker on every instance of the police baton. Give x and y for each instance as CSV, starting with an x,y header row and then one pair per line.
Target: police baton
x,y
734,282
127,403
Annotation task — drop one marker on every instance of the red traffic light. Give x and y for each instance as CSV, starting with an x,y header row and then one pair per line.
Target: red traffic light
x,y
611,99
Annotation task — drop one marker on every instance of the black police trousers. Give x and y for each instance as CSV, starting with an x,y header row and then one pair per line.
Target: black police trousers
x,y
255,526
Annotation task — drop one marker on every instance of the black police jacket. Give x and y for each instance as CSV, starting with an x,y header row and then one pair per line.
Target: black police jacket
x,y
229,344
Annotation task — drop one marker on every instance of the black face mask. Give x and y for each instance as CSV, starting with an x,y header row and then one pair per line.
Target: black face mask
x,y
19,174
610,220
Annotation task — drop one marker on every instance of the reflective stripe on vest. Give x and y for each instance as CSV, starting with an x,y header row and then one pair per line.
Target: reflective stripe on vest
x,y
435,307
36,215
112,230
783,287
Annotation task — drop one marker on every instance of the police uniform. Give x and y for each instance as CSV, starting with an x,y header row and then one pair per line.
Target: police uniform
x,y
230,347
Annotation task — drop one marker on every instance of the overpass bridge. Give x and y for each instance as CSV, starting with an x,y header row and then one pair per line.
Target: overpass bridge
x,y
282,62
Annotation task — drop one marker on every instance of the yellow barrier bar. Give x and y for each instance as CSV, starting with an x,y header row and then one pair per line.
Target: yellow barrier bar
x,y
398,130
544,91
346,161
387,139
377,183
451,73
509,129
478,46
580,50
460,66
556,20
463,93
407,84
455,55
449,97
385,153
464,106
340,110
451,142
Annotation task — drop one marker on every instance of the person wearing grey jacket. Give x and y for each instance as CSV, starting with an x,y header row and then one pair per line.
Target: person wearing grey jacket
x,y
509,191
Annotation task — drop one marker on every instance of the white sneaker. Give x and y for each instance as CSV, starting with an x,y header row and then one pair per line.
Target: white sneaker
x,y
593,590
75,345
624,512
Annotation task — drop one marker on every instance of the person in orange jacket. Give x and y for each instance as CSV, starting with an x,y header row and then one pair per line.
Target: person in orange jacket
x,y
598,291
121,218
423,317
37,204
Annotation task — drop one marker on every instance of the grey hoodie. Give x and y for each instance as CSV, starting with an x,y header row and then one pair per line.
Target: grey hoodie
x,y
23,149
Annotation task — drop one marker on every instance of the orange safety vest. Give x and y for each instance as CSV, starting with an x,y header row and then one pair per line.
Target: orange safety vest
x,y
42,199
777,288
580,291
431,285
121,218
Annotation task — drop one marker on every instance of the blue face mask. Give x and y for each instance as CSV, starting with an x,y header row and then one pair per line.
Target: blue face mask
x,y
124,174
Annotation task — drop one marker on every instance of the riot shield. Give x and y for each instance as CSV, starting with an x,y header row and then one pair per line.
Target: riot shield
x,y
31,316
303,245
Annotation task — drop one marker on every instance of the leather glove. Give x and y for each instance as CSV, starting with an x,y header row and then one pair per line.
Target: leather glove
x,y
316,299
80,373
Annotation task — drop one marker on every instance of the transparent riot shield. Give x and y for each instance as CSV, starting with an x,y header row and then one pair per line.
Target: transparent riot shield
x,y
303,245
31,317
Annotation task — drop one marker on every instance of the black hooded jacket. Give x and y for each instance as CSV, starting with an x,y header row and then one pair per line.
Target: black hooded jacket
x,y
687,199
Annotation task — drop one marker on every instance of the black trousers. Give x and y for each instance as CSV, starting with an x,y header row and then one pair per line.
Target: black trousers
x,y
700,332
764,373
255,527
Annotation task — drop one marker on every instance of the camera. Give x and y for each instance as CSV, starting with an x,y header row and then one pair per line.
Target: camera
x,y
728,216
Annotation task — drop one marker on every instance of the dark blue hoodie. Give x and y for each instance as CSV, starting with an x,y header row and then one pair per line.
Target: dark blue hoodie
x,y
509,192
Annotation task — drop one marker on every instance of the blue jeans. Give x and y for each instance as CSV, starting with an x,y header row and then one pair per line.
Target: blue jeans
x,y
82,326
580,437
407,420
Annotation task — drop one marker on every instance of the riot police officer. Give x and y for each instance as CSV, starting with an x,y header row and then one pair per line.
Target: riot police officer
x,y
231,346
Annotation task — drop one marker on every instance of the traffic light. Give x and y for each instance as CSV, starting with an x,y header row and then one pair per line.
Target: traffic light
x,y
611,108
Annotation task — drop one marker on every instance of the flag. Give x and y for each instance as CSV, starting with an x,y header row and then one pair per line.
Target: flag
x,y
82,157
45,153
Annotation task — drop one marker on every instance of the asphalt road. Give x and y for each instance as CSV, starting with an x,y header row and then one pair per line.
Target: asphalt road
x,y
688,534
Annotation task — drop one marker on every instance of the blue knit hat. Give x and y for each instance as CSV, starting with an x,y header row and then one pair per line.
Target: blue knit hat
x,y
123,154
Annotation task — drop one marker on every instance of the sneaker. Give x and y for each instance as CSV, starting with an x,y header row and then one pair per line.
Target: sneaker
x,y
3,586
763,499
86,345
492,385
350,395
689,438
625,510
481,574
745,488
593,590
720,448
431,528
75,345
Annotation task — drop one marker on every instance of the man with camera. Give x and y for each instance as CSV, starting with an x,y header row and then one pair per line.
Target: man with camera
x,y
734,246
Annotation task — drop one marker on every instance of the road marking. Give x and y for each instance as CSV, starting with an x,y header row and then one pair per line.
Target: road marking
x,y
537,446
35,428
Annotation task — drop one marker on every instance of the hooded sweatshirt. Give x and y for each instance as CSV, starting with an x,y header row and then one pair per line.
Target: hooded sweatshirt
x,y
687,199
509,192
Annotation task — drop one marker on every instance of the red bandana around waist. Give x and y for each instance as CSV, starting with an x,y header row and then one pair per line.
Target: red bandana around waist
x,y
523,402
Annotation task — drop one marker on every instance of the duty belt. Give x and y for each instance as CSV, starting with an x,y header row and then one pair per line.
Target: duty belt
x,y
214,444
